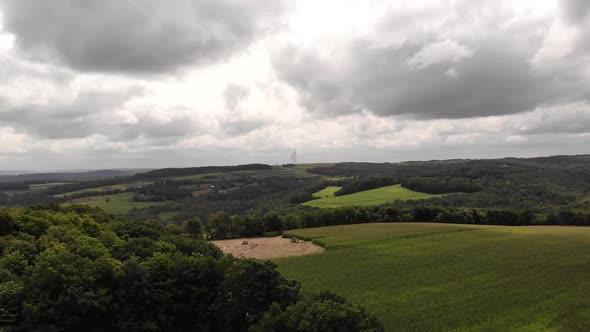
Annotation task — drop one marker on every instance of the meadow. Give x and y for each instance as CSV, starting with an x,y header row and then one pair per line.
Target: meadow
x,y
377,196
120,186
116,204
326,192
432,277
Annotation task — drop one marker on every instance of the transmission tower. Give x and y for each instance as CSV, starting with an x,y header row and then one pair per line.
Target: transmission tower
x,y
294,157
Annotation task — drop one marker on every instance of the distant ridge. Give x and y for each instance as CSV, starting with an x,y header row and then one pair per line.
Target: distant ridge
x,y
70,175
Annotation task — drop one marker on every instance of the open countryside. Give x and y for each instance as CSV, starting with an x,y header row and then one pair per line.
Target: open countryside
x,y
295,166
115,204
377,196
432,277
326,192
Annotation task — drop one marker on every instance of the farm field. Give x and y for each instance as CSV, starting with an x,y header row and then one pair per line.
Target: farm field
x,y
121,186
44,186
117,204
377,196
433,277
326,192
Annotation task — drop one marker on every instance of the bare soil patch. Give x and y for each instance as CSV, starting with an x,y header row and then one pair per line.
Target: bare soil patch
x,y
82,200
267,247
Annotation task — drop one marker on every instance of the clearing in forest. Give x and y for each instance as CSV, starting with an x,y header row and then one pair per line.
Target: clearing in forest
x,y
379,196
267,247
115,204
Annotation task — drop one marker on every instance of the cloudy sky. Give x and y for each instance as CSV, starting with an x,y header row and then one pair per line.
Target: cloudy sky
x,y
152,83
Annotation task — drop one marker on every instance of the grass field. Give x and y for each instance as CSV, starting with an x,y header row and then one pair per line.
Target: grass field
x,y
377,196
121,186
433,277
326,192
43,186
117,204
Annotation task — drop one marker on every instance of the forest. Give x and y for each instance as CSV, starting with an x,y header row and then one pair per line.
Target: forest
x,y
77,268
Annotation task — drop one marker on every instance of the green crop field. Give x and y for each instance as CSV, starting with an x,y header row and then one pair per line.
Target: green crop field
x,y
377,196
121,186
326,192
434,277
83,191
117,204
43,186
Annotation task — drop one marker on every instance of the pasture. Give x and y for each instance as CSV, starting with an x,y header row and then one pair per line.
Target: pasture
x,y
383,195
115,204
120,186
433,277
326,192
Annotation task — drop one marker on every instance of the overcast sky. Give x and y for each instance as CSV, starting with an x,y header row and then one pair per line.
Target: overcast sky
x,y
153,83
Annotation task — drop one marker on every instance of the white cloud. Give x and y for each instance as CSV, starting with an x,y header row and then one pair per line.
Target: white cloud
x,y
12,142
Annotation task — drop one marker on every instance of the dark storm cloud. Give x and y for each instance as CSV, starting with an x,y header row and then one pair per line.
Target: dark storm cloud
x,y
234,123
136,35
493,81
90,113
576,11
64,119
487,74
240,127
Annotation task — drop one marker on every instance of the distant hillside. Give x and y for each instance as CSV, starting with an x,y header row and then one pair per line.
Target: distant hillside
x,y
70,176
15,172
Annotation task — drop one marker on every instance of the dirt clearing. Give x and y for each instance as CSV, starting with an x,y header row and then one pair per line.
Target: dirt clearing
x,y
267,247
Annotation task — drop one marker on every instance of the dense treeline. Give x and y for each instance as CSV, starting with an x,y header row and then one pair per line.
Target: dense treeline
x,y
222,225
167,172
35,178
14,186
76,268
269,193
162,191
540,184
441,185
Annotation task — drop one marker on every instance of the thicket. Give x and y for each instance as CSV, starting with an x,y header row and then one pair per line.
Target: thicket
x,y
441,185
222,225
77,268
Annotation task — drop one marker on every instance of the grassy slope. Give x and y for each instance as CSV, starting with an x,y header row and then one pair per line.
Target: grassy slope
x,y
120,186
377,196
326,192
118,204
43,186
433,277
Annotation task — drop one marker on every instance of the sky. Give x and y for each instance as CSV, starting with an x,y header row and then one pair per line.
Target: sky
x,y
177,83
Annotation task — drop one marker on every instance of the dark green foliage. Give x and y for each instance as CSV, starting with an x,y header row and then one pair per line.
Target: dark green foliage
x,y
249,287
162,191
165,172
326,312
193,227
539,184
441,185
78,269
222,226
14,186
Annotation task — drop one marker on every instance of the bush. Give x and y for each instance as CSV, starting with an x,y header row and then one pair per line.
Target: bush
x,y
272,234
326,312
